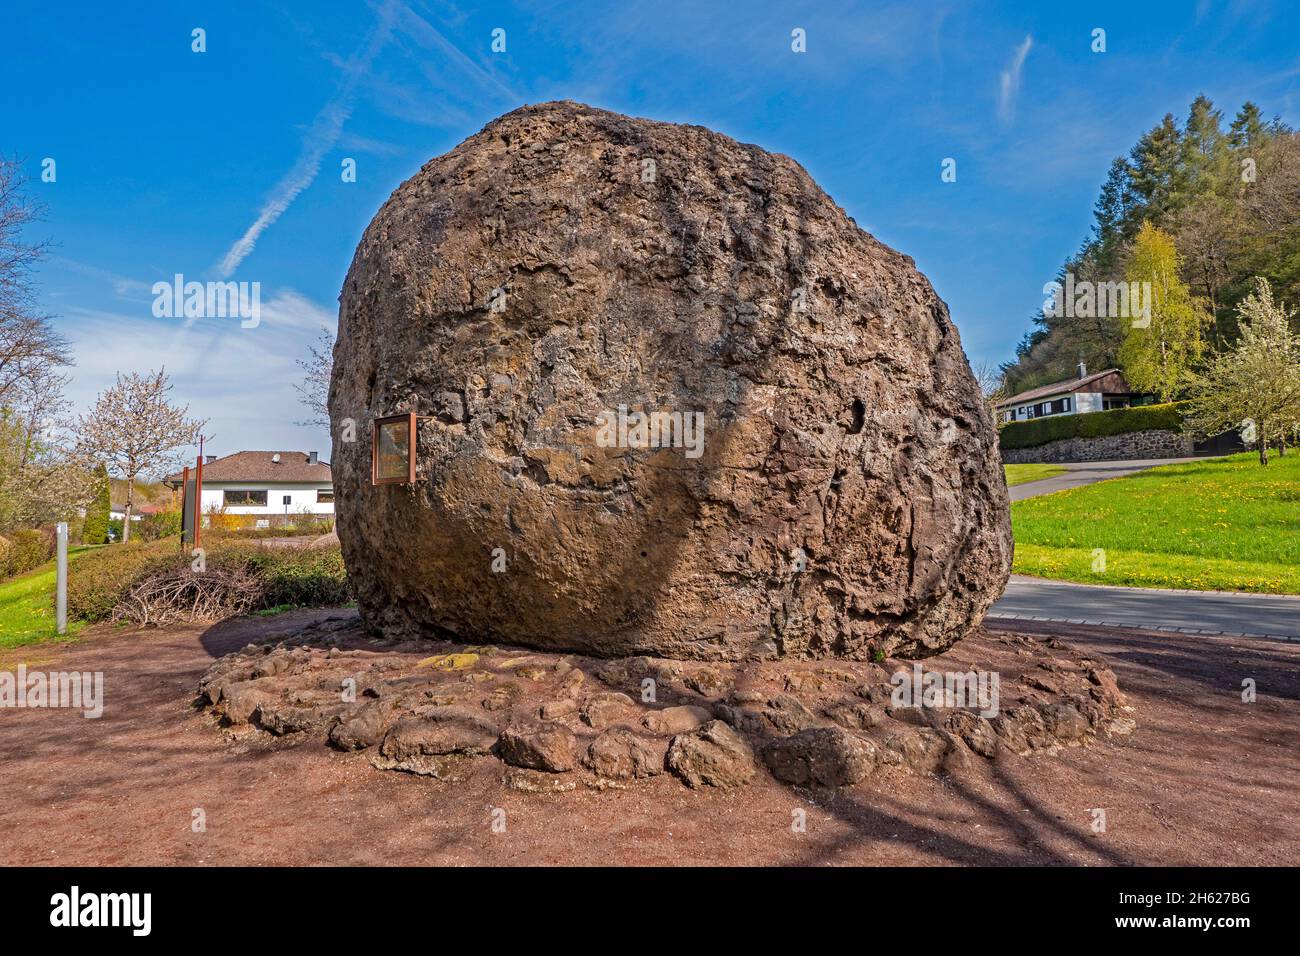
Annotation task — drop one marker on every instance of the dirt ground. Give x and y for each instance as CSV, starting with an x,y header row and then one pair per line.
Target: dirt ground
x,y
1205,780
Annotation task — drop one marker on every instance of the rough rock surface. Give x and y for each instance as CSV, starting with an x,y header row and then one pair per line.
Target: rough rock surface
x,y
537,747
814,723
565,261
715,755
820,756
619,754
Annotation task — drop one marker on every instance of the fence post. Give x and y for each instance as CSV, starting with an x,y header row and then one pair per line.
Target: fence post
x,y
61,578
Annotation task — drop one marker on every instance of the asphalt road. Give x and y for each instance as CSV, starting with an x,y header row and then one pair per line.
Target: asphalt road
x,y
1086,473
1194,612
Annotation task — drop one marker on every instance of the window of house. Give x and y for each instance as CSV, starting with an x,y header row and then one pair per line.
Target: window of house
x,y
243,498
1066,403
324,496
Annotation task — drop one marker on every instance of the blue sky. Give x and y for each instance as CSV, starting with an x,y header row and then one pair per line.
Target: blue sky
x,y
228,162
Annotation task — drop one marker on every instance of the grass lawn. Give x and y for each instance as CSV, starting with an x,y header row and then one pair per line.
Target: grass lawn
x,y
1225,524
27,606
1019,474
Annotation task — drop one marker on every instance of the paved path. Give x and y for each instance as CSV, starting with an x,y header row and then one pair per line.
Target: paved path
x,y
1192,612
1086,473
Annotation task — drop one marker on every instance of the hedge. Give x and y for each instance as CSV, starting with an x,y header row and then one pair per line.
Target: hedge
x,y
23,550
100,579
99,583
160,524
1117,421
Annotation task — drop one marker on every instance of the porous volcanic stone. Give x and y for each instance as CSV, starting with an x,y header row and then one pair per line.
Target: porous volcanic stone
x,y
713,756
824,756
565,261
619,754
537,747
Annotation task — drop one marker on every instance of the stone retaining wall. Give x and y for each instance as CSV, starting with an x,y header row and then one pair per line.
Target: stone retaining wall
x,y
1131,445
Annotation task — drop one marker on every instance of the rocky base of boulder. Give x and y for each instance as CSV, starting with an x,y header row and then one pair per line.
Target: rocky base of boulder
x,y
554,722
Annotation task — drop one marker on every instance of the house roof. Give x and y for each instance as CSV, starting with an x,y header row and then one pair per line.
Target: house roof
x,y
263,466
1056,388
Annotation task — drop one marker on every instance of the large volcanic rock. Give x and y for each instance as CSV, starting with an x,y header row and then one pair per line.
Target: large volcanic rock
x,y
567,261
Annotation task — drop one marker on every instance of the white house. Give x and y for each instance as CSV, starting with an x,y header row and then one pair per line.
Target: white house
x,y
117,511
271,483
1098,392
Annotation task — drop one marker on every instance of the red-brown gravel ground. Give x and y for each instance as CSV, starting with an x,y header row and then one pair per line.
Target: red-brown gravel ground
x,y
1206,780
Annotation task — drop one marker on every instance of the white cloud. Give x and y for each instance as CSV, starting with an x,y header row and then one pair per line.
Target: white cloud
x,y
290,311
424,33
241,380
1009,86
366,144
425,103
123,286
318,141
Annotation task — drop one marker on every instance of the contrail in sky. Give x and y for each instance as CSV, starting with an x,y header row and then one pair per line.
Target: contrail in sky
x,y
319,140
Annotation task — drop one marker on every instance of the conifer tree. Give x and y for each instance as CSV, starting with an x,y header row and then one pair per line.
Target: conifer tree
x,y
95,530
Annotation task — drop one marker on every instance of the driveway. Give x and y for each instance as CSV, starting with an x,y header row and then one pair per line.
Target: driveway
x,y
1192,612
1087,473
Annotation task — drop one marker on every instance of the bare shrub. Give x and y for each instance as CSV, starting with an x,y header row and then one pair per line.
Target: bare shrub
x,y
178,595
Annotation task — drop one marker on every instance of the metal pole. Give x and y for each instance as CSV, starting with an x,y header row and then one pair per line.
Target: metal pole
x,y
61,578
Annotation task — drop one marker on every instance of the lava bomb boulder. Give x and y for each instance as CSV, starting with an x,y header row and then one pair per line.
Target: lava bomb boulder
x,y
670,400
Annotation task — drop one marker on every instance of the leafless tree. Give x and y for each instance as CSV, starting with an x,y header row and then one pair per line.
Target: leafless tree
x,y
1207,231
29,347
314,389
135,431
39,480
1272,200
17,212
988,375
993,384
